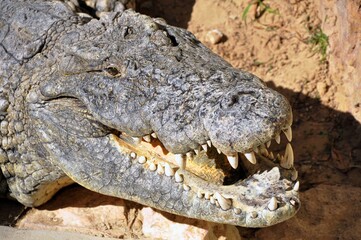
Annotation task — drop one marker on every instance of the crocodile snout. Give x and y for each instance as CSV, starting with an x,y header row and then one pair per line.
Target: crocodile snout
x,y
247,116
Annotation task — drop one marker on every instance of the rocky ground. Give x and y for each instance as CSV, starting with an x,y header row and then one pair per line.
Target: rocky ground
x,y
308,50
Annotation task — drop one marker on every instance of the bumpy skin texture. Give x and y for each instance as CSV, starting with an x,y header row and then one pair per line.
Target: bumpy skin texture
x,y
70,84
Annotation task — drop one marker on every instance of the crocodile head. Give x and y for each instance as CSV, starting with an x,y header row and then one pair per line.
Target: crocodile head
x,y
134,108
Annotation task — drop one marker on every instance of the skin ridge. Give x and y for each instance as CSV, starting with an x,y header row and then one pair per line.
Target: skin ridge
x,y
75,90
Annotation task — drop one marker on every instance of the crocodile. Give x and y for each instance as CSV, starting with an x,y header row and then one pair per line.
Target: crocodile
x,y
129,106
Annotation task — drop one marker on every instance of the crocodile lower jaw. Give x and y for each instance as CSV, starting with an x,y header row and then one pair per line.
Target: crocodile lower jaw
x,y
265,188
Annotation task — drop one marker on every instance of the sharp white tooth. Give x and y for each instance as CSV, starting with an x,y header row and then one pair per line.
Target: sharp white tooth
x,y
154,135
186,187
168,170
160,169
147,138
204,146
200,194
133,155
196,151
178,177
264,152
237,210
251,157
181,160
293,202
209,143
296,187
207,195
288,133
189,155
268,144
233,160
271,155
152,167
223,202
137,140
142,159
212,200
272,205
288,159
219,151
278,139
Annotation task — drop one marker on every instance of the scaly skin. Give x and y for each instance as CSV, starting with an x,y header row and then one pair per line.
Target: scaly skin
x,y
77,94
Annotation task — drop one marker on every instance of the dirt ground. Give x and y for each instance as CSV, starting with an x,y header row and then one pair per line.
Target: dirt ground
x,y
275,40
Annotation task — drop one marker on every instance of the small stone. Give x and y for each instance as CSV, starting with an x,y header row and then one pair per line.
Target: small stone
x,y
214,36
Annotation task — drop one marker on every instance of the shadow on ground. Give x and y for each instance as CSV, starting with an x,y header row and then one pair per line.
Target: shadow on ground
x,y
176,13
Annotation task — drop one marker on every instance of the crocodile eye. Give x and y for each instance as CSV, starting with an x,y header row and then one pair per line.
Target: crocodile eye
x,y
113,71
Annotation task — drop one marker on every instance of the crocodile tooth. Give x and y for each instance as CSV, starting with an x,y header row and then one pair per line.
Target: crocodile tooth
x,y
147,138
223,202
189,155
219,151
217,203
133,155
272,205
288,133
142,159
213,200
268,144
200,194
278,139
178,177
160,169
209,143
196,151
204,146
293,202
152,167
271,156
186,187
233,160
137,139
237,210
207,195
154,135
288,158
168,170
181,160
251,157
264,152
296,187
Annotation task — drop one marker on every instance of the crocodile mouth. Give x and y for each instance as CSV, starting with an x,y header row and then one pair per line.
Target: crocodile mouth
x,y
246,183
258,190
